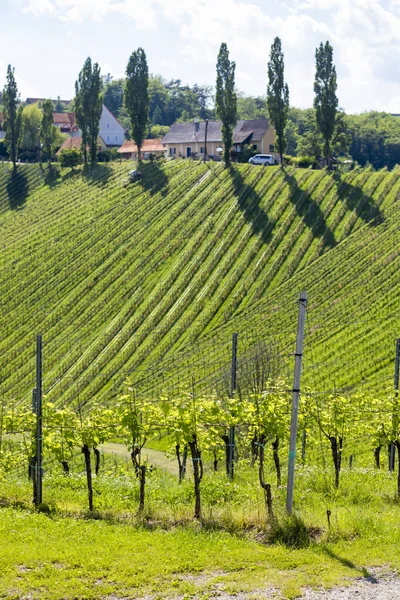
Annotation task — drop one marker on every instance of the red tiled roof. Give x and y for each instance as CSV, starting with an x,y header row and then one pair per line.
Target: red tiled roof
x,y
148,146
67,119
71,142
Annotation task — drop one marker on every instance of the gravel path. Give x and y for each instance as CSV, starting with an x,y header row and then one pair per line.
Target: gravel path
x,y
381,585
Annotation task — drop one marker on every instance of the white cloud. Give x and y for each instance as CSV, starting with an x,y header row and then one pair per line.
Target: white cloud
x,y
365,35
25,89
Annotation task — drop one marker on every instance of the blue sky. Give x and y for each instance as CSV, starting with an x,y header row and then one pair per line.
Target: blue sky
x,y
48,40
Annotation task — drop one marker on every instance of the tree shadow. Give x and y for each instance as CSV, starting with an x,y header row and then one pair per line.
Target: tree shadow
x,y
52,177
154,180
349,564
249,204
360,202
97,174
310,211
17,188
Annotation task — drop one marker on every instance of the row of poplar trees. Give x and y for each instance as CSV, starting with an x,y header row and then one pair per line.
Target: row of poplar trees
x,y
89,102
325,100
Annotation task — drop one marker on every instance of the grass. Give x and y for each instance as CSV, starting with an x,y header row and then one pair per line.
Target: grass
x,y
117,552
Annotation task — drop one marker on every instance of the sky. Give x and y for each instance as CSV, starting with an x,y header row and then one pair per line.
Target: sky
x,y
47,42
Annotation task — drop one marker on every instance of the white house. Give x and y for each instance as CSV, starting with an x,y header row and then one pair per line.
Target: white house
x,y
111,130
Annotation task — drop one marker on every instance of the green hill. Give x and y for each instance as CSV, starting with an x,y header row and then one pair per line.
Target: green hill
x,y
118,278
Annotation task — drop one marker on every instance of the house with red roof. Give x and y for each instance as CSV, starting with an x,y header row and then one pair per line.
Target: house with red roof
x,y
76,142
65,122
130,150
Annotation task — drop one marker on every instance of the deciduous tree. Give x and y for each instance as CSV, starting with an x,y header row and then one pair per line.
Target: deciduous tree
x,y
278,95
137,96
225,99
12,115
88,107
48,131
325,101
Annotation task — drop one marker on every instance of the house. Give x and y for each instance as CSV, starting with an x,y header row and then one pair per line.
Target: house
x,y
65,122
111,129
2,132
130,150
76,142
186,139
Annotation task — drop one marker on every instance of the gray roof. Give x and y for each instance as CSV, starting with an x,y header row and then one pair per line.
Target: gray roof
x,y
185,133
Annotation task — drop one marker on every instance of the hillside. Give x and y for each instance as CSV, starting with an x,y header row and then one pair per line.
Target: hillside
x,y
117,278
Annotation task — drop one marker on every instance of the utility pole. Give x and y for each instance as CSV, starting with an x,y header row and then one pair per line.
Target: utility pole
x,y
39,422
295,399
396,393
205,142
233,390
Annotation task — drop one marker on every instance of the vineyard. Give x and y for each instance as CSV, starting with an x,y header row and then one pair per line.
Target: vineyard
x,y
136,291
128,278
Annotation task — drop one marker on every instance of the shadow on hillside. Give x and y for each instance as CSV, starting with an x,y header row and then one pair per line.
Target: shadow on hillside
x,y
154,179
310,211
360,202
98,174
249,204
52,177
17,188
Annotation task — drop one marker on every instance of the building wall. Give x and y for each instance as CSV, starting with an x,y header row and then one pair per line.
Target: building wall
x,y
267,142
2,135
263,146
110,130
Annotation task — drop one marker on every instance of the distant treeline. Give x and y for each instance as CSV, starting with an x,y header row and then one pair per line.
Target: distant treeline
x,y
369,138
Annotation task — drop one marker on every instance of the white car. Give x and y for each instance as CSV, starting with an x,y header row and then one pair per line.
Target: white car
x,y
263,159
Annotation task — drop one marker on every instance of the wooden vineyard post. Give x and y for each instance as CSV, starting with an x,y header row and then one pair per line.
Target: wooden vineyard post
x,y
39,424
233,390
295,399
392,453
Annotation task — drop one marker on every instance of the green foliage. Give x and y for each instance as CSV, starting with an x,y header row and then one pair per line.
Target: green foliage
x,y
48,131
225,99
88,107
12,115
70,157
325,101
113,96
137,96
278,95
31,127
249,107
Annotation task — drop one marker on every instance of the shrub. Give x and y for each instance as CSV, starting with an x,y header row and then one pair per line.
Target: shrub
x,y
304,162
70,157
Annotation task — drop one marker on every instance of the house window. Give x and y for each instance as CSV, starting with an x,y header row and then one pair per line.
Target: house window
x,y
108,138
108,125
116,138
271,148
202,150
255,147
172,151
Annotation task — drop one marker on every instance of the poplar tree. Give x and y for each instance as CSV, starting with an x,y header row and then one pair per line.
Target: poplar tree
x,y
48,131
12,115
325,101
225,99
88,107
137,96
278,95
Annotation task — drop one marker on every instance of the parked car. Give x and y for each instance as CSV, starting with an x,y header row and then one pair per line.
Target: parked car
x,y
263,159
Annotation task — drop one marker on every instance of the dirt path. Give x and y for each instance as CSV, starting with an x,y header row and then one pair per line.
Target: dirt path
x,y
152,457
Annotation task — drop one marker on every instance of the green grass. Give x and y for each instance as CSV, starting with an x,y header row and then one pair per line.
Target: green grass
x,y
164,553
